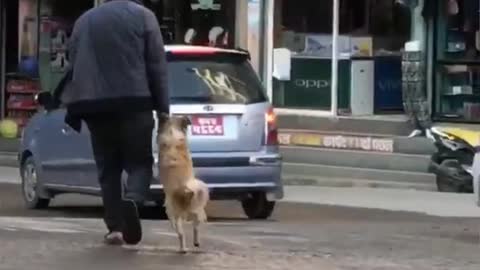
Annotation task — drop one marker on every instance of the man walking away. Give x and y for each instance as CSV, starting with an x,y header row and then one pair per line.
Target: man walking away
x,y
118,77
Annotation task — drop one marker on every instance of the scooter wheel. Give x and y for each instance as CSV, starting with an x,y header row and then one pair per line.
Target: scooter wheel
x,y
453,178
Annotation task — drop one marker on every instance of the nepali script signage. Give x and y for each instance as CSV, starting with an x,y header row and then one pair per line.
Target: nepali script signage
x,y
337,141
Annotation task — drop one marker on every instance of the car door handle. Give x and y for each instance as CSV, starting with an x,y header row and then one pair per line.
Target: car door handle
x,y
66,130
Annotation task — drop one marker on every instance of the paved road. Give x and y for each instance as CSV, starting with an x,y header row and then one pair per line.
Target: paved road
x,y
299,236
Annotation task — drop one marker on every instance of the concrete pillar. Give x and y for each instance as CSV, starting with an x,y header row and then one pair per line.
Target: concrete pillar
x,y
241,24
418,25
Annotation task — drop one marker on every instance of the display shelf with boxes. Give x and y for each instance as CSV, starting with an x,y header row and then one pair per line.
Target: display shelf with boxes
x,y
20,104
456,88
458,92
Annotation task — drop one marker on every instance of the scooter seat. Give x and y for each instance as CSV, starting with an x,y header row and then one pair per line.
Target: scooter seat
x,y
472,137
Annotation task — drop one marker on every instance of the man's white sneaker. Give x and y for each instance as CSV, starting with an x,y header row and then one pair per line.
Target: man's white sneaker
x,y
415,133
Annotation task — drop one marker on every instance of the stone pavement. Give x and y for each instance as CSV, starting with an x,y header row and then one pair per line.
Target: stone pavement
x,y
430,203
56,243
374,241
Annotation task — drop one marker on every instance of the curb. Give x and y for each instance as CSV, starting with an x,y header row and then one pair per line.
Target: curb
x,y
295,180
8,159
356,141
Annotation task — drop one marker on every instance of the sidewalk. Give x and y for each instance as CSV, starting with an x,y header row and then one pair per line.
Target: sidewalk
x,y
424,202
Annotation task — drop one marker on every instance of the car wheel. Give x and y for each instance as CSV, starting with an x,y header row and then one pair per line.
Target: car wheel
x,y
160,210
30,186
257,206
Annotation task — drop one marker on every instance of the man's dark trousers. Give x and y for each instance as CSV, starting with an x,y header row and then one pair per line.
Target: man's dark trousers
x,y
122,142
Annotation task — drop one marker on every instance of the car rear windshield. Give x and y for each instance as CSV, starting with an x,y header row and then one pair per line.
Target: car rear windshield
x,y
214,80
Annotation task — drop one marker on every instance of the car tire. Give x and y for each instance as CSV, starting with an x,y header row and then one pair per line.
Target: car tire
x,y
30,186
257,206
160,210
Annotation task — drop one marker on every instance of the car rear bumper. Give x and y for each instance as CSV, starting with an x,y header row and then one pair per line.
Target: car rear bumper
x,y
231,191
262,174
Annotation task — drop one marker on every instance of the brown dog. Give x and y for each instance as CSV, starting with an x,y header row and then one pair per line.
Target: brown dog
x,y
185,196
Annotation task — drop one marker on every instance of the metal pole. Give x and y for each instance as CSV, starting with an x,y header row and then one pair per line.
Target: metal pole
x,y
269,12
334,80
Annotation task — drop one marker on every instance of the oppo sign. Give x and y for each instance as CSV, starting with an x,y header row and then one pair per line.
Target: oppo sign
x,y
311,83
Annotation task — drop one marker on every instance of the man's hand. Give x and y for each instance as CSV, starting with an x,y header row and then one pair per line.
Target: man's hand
x,y
162,119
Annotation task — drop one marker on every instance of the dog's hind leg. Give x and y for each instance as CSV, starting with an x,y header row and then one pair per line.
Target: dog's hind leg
x,y
196,227
198,218
181,234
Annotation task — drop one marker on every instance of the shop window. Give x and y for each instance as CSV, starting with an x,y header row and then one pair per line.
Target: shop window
x,y
367,28
457,84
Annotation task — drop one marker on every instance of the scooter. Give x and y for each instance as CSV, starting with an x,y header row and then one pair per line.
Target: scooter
x,y
453,160
476,177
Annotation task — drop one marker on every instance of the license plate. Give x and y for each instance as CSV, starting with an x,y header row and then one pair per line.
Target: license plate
x,y
207,126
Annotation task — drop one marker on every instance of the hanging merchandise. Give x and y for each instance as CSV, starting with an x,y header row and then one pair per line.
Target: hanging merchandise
x,y
208,24
452,7
58,48
53,54
206,4
28,57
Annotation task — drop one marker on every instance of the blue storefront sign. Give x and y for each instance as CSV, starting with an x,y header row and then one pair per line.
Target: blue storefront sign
x,y
388,83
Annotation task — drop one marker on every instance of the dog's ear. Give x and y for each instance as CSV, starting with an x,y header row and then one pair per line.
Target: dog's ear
x,y
183,123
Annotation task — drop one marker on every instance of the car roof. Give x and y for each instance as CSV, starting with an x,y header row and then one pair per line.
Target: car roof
x,y
201,49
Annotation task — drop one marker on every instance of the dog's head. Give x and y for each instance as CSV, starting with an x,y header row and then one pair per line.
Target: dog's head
x,y
172,141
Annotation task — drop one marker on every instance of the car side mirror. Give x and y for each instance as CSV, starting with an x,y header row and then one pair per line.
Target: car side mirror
x,y
45,99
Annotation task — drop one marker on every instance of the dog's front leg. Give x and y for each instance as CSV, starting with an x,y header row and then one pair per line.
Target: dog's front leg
x,y
170,216
181,234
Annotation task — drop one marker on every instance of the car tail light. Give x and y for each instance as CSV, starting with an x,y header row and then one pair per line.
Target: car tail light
x,y
271,129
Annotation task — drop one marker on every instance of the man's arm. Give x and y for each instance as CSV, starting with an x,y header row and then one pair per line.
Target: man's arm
x,y
156,64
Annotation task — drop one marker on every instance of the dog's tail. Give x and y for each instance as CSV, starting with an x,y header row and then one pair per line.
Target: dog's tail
x,y
193,196
183,197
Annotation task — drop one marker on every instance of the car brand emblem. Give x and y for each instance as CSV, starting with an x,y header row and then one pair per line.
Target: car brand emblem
x,y
208,108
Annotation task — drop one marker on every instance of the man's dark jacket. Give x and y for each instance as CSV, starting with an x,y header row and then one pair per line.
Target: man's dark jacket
x,y
118,62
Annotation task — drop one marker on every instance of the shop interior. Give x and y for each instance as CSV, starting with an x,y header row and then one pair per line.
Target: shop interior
x,y
35,32
373,30
457,65
196,22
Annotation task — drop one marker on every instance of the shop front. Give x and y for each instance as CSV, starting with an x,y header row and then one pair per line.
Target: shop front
x,y
456,55
372,34
34,51
36,32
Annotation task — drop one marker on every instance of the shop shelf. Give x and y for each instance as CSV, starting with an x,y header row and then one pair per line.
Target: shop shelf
x,y
27,92
461,95
22,108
